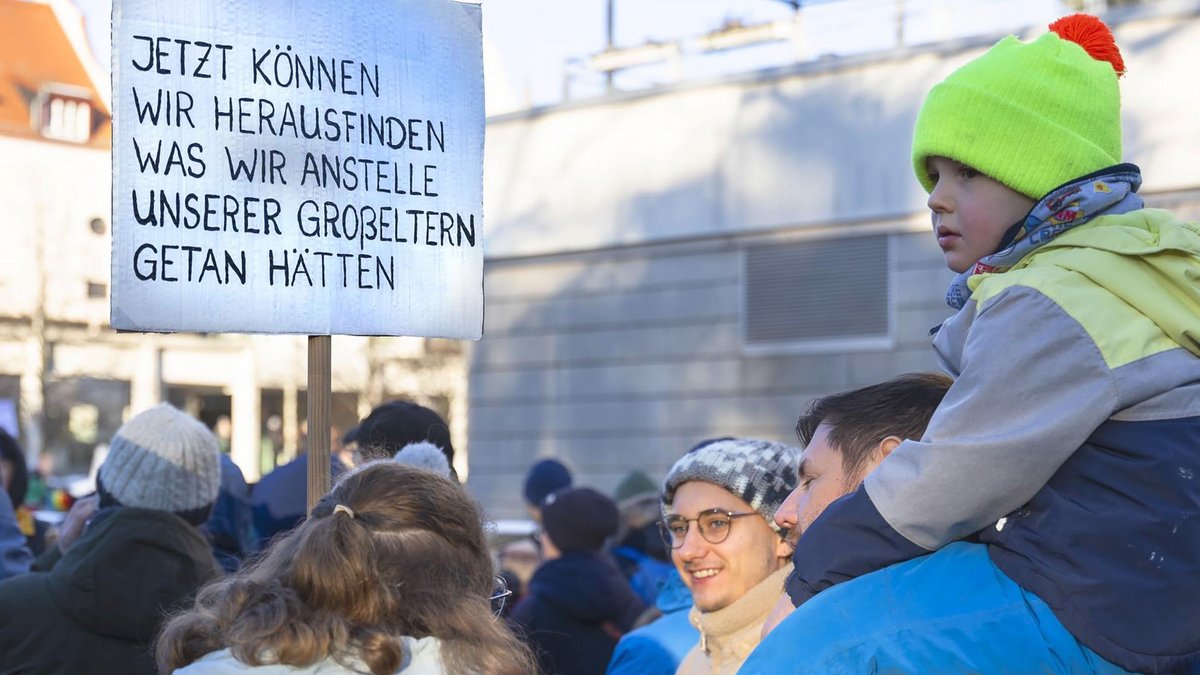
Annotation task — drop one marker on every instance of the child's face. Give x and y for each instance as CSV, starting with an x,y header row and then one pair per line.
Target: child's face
x,y
971,212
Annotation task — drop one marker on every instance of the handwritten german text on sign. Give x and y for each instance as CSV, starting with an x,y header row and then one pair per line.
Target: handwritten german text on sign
x,y
298,166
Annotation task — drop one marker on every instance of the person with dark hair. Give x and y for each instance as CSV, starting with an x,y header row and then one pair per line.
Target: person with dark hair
x,y
104,599
389,574
14,475
578,604
845,437
392,426
544,477
279,502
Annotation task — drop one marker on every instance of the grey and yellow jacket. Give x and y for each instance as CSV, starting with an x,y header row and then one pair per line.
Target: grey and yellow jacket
x,y
1069,443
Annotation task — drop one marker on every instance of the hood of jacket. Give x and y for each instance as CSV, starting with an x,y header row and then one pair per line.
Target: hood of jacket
x,y
674,596
1147,258
128,570
586,587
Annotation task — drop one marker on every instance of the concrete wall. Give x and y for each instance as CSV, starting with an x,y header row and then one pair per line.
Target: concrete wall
x,y
616,231
612,361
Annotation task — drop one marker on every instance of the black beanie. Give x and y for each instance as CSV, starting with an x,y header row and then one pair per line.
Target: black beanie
x,y
579,519
394,425
548,475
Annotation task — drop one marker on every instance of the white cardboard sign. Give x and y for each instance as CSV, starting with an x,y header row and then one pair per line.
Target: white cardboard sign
x,y
298,166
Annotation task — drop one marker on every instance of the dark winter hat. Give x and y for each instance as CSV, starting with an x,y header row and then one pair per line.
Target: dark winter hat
x,y
579,519
162,459
761,473
634,488
543,478
394,425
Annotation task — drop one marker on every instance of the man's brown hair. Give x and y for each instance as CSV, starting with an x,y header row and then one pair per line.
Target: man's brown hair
x,y
859,419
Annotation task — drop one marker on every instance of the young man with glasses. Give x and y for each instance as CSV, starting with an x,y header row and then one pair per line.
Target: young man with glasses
x,y
718,506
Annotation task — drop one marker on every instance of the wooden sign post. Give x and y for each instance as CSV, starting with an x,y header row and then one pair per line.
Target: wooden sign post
x,y
319,395
298,167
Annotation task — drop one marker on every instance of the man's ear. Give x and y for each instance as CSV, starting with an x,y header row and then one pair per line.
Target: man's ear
x,y
886,446
783,548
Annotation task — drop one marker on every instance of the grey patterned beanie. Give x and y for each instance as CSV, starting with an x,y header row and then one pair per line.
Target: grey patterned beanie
x,y
761,473
162,459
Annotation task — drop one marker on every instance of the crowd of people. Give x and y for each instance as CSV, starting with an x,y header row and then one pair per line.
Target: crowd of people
x,y
1035,510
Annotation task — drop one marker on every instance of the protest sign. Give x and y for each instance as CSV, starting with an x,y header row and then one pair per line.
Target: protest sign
x,y
298,166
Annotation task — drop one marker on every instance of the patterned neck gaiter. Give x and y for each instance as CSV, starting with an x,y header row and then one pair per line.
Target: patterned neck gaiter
x,y
1107,192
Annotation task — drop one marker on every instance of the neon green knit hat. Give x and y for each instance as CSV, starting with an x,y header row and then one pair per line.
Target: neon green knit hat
x,y
1030,115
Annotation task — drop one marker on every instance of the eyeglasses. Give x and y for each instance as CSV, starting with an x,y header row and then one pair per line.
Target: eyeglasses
x,y
714,526
500,594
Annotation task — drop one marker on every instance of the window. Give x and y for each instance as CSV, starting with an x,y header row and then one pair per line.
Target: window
x,y
67,119
97,291
822,296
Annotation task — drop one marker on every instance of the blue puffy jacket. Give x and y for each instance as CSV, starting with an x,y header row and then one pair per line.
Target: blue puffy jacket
x,y
659,646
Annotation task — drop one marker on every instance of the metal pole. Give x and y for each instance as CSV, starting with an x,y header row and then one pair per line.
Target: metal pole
x,y
319,395
608,76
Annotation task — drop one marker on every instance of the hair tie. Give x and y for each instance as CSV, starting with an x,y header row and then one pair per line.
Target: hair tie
x,y
344,509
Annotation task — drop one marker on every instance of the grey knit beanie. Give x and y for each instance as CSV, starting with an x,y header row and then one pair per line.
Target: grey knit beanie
x,y
162,459
761,473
